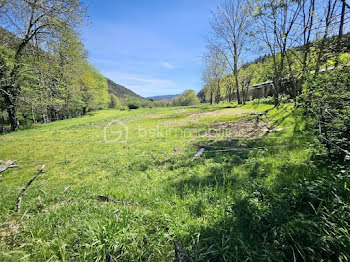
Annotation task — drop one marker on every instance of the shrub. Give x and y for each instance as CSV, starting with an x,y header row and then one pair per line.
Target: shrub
x,y
134,104
115,102
326,99
187,98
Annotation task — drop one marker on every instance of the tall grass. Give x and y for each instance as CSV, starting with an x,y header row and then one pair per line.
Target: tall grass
x,y
276,202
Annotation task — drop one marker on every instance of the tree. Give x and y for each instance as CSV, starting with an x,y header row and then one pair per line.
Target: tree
x,y
187,98
246,76
34,21
328,21
115,101
230,25
276,20
214,69
134,103
308,18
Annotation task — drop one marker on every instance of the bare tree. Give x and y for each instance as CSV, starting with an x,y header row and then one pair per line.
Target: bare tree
x,y
214,69
230,26
328,20
341,29
33,20
275,26
308,18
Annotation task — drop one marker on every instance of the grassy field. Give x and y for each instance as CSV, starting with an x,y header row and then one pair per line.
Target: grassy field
x,y
160,199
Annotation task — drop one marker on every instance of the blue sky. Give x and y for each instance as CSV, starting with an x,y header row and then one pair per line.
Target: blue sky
x,y
152,47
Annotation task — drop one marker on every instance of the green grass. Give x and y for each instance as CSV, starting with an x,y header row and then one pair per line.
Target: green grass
x,y
160,194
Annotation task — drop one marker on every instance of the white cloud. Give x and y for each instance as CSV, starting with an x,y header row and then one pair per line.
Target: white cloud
x,y
167,65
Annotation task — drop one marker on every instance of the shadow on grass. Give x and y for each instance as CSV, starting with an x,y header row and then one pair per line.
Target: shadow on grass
x,y
272,221
271,216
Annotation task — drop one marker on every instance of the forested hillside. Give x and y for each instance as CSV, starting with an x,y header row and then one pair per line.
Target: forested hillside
x,y
292,41
45,74
121,91
261,70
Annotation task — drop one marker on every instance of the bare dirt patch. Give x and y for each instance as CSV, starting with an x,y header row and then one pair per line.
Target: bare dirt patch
x,y
239,129
225,112
183,118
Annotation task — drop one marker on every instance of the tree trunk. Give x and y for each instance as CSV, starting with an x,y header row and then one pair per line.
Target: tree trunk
x,y
33,115
12,112
218,93
340,34
276,92
235,72
10,102
323,40
12,89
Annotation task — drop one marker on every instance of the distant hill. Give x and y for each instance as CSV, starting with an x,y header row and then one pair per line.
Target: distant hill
x,y
159,98
10,40
121,91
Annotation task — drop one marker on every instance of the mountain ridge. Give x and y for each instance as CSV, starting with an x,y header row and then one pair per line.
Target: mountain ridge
x,y
121,91
162,97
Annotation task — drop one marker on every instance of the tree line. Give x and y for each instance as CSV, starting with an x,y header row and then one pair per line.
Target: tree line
x,y
293,38
44,71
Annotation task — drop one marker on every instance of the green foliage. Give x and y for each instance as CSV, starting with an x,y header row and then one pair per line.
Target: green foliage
x,y
56,85
344,59
161,103
121,92
115,102
187,98
327,100
94,88
134,103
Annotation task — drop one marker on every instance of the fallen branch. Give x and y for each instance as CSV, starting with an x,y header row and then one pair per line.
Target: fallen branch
x,y
199,153
19,198
103,198
182,254
6,165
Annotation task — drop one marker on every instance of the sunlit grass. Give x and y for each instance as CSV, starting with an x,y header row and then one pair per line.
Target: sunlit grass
x,y
159,194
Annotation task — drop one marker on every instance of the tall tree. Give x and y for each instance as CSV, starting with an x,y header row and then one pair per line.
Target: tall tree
x,y
275,26
325,29
214,69
33,20
308,19
230,26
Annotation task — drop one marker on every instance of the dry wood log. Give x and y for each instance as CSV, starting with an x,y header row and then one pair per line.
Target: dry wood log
x,y
19,198
199,153
8,164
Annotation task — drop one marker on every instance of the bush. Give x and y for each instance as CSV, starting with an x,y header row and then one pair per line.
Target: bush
x,y
326,99
134,104
187,98
115,102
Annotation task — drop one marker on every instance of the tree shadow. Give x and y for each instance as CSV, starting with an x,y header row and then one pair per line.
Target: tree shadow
x,y
260,225
218,174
